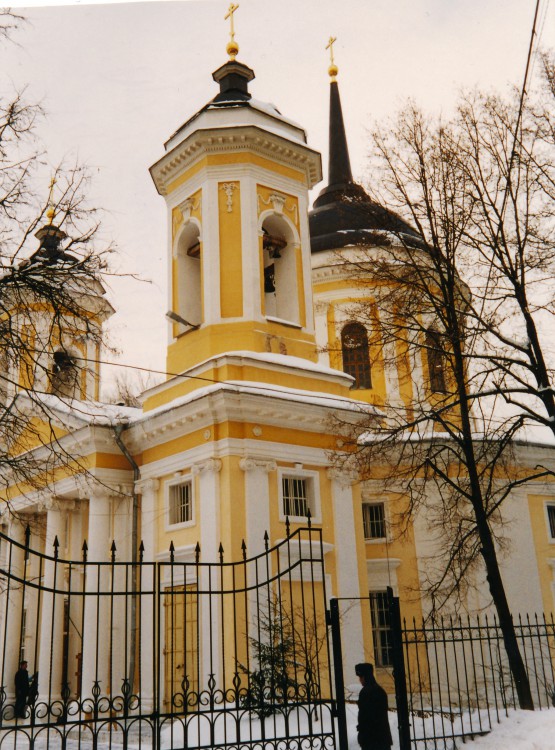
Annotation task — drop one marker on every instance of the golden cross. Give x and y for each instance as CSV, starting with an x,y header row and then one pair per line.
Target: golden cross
x,y
329,46
230,11
51,210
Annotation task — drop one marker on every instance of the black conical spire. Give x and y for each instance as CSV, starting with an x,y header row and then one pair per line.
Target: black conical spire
x,y
339,168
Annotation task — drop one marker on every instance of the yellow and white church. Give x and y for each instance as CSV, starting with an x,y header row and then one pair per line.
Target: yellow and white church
x,y
239,442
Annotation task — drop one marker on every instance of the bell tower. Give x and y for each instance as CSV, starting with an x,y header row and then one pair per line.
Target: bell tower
x,y
235,178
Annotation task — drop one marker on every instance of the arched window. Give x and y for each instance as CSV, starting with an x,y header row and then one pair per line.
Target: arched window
x,y
189,292
436,361
356,358
280,270
64,378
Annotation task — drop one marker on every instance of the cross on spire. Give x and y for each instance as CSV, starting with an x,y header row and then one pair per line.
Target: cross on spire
x,y
230,11
332,70
232,46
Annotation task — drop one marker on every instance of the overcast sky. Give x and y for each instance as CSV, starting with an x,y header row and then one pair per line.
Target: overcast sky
x,y
117,80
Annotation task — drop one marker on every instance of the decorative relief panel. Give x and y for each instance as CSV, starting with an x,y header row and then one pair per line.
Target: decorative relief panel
x,y
281,203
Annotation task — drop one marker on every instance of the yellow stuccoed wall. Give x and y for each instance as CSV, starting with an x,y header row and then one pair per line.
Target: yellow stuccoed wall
x,y
544,547
231,262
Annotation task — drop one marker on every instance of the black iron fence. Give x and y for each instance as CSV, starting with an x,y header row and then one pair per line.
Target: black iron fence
x,y
170,654
457,678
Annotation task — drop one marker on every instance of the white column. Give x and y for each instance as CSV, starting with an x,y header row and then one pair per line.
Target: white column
x,y
96,635
52,604
346,564
121,602
148,489
12,601
209,505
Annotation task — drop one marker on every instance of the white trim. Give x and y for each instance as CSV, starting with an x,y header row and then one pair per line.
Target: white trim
x,y
548,503
174,482
313,493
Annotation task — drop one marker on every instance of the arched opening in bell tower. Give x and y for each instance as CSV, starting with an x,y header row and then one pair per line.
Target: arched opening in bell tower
x,y
189,277
281,296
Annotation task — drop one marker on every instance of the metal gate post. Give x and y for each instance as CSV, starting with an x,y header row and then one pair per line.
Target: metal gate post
x,y
399,674
338,675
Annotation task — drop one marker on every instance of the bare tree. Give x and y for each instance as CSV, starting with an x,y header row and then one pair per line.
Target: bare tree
x,y
50,291
462,307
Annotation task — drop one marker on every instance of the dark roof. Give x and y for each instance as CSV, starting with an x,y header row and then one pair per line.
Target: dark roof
x,y
234,78
343,213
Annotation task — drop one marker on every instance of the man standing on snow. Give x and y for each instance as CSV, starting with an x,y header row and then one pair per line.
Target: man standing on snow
x,y
373,725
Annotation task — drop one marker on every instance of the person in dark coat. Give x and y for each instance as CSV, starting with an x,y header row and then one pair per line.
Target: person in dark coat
x,y
373,724
21,681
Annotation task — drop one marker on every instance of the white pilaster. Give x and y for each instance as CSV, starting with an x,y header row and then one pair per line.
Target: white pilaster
x,y
148,489
52,605
257,501
209,505
347,565
96,636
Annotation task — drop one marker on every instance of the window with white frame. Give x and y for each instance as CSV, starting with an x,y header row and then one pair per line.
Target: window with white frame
x,y
551,521
180,502
381,629
298,495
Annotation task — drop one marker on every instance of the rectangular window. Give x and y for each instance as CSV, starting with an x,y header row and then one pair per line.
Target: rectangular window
x,y
296,496
181,503
551,520
381,630
373,517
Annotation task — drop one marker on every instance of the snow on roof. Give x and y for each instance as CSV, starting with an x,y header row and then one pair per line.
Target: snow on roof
x,y
315,398
91,412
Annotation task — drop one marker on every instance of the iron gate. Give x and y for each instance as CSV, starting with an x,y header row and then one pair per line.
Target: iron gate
x,y
179,653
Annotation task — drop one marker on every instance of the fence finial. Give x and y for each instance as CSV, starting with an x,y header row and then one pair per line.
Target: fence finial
x,y
172,551
85,549
197,553
141,551
113,550
244,549
56,545
287,526
221,552
266,541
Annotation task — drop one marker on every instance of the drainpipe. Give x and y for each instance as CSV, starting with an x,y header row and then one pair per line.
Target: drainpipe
x,y
118,429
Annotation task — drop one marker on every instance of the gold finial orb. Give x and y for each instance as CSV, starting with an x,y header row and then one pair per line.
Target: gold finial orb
x,y
232,49
333,70
50,214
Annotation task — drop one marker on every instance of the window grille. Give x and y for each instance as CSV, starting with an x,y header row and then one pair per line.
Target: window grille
x,y
296,500
373,517
356,358
551,519
181,505
381,629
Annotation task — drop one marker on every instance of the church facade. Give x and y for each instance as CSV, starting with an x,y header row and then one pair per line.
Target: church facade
x,y
238,442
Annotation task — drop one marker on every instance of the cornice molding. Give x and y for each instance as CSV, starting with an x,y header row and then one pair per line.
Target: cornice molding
x,y
235,139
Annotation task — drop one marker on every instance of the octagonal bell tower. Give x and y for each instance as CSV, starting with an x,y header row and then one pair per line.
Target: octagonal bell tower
x,y
235,178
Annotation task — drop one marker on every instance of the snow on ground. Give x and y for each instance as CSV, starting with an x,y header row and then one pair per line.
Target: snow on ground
x,y
522,730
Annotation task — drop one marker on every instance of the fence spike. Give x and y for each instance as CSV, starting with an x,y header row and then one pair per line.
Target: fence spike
x,y
172,551
287,526
266,541
141,551
221,552
27,536
244,549
56,545
85,549
113,550
197,553
309,517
